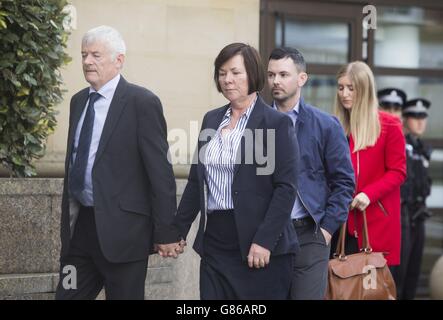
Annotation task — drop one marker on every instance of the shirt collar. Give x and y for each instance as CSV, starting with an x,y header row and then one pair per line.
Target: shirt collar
x,y
107,91
295,109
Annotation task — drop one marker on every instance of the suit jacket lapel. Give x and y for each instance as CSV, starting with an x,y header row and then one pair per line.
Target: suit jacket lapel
x,y
255,118
118,103
212,123
76,115
256,115
301,117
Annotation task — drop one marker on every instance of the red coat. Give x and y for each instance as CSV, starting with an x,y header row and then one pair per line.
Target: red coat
x,y
379,172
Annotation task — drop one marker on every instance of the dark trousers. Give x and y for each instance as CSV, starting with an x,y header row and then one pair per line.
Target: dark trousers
x,y
398,272
92,271
408,273
310,273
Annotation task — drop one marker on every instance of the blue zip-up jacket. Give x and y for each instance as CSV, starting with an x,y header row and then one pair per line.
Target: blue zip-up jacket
x,y
326,176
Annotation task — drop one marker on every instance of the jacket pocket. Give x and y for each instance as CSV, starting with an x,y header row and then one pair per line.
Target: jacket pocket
x,y
136,207
382,208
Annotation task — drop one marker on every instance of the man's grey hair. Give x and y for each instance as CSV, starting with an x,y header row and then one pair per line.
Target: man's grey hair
x,y
109,36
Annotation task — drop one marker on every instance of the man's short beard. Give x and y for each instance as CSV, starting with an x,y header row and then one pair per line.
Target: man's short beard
x,y
284,98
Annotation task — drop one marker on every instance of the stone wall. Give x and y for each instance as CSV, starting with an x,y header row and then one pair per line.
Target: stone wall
x,y
171,47
30,244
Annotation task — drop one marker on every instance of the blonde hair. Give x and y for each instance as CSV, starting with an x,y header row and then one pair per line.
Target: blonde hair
x,y
361,121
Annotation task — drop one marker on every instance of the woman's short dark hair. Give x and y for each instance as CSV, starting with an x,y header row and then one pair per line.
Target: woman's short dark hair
x,y
253,65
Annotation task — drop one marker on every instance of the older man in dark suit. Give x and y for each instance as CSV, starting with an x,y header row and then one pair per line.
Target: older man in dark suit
x,y
119,194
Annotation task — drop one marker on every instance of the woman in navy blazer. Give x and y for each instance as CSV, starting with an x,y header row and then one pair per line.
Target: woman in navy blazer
x,y
243,182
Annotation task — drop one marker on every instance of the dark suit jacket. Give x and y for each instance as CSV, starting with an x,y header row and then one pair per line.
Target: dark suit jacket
x,y
133,182
262,203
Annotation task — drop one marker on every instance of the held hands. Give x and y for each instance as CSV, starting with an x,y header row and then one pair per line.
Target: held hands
x,y
170,249
258,256
360,202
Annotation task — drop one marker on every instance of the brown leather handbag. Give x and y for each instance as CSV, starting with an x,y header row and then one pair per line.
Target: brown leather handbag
x,y
360,276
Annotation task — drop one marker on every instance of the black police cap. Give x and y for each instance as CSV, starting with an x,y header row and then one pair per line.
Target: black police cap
x,y
391,97
416,108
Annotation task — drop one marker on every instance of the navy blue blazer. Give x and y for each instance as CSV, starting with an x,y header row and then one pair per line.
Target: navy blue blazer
x,y
262,203
326,175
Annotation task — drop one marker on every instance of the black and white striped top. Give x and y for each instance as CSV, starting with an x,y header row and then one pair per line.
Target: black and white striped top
x,y
220,159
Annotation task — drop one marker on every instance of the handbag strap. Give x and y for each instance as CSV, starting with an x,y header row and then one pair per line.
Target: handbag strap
x,y
366,245
340,249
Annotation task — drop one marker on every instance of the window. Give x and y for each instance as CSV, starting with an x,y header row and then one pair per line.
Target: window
x,y
408,37
319,42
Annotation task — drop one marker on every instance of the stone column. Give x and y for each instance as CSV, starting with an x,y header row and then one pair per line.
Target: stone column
x,y
436,280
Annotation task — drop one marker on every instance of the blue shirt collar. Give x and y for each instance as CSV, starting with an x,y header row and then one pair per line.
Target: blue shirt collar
x,y
295,109
107,91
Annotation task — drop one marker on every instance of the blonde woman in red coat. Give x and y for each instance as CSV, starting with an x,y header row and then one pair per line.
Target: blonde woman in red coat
x,y
377,147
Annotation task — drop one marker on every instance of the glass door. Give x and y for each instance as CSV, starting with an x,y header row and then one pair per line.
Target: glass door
x,y
328,35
